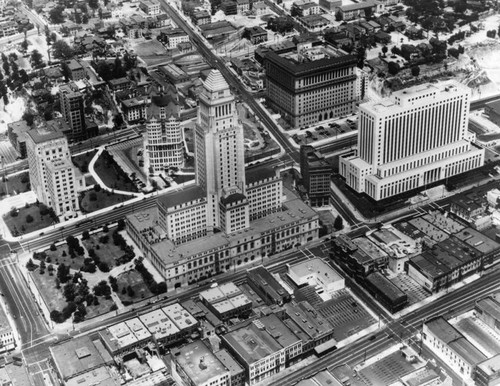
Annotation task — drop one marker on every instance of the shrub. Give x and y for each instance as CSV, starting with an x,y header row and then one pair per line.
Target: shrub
x,y
53,247
14,213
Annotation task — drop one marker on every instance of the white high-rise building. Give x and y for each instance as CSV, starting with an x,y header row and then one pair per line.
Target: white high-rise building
x,y
163,141
417,137
54,179
219,152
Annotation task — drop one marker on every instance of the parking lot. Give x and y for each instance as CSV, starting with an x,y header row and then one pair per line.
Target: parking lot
x,y
325,131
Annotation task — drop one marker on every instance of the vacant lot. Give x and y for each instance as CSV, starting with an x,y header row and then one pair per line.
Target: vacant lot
x,y
133,279
107,252
21,224
91,200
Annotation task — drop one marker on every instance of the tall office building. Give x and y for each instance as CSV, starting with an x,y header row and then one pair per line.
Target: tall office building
x,y
219,152
316,175
72,109
163,141
417,137
311,84
54,179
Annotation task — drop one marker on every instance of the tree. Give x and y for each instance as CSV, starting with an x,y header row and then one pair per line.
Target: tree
x,y
65,71
85,235
24,45
118,70
23,76
30,266
42,267
394,68
384,50
97,188
338,223
69,291
103,267
63,274
118,121
53,247
37,59
130,291
6,67
29,219
121,225
56,15
62,50
103,69
56,316
28,117
415,71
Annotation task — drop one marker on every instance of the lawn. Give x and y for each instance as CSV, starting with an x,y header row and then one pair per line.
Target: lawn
x,y
18,183
133,279
46,285
19,225
56,257
103,199
107,252
112,175
89,181
82,161
103,307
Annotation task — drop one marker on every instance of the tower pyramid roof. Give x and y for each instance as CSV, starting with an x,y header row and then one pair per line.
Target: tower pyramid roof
x,y
215,81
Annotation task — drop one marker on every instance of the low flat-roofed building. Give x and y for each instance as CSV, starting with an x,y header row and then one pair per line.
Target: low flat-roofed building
x,y
236,306
308,325
428,375
283,335
488,310
256,350
265,284
196,365
386,292
184,321
77,356
451,260
227,301
161,327
316,273
451,346
125,337
101,376
489,248
487,373
236,371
